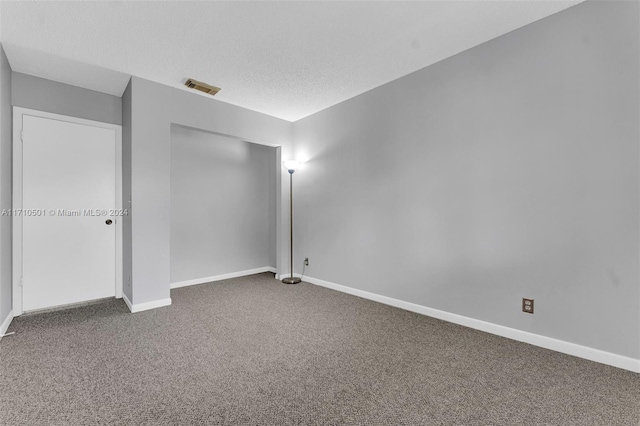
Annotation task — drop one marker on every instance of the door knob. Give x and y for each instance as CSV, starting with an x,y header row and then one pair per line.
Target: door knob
x,y
108,221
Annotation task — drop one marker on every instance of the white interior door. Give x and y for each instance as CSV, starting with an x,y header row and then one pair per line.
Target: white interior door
x,y
68,197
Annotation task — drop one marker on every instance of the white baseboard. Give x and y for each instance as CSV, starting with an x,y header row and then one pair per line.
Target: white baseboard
x,y
145,306
5,324
562,346
127,301
223,277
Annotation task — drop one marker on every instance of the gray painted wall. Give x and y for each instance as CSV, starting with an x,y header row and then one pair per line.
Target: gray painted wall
x,y
59,98
126,192
154,109
507,171
220,206
6,143
272,198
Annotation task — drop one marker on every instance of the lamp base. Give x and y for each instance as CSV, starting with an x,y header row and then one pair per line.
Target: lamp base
x,y
291,280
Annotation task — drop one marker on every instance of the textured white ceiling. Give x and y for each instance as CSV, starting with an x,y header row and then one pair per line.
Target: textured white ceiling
x,y
286,59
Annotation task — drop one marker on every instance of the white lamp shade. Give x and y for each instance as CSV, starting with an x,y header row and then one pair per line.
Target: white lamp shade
x,y
291,164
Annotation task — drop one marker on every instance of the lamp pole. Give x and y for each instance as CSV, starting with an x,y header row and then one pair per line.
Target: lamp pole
x,y
291,279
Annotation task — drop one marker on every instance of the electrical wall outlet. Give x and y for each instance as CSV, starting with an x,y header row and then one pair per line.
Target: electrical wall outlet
x,y
527,305
306,261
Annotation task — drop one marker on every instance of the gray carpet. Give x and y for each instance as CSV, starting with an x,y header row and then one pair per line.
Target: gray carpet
x,y
252,351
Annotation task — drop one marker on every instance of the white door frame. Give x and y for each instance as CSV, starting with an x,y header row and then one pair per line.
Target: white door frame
x,y
18,113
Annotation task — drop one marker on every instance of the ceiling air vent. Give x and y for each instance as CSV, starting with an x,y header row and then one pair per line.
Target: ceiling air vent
x,y
203,87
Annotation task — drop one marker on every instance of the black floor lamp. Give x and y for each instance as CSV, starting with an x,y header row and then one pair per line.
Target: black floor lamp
x,y
291,166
